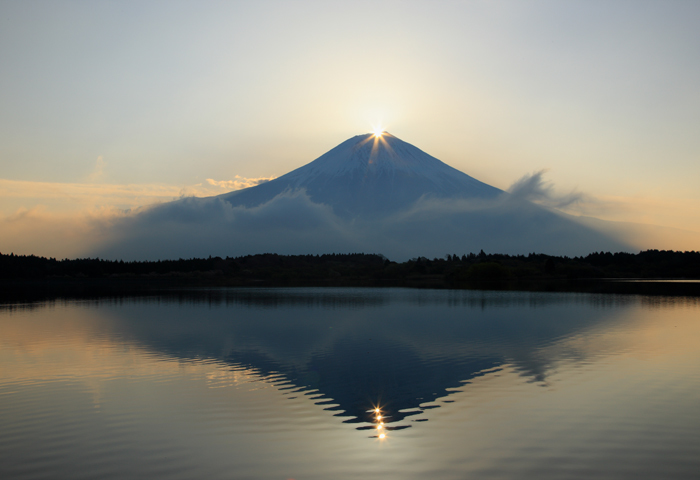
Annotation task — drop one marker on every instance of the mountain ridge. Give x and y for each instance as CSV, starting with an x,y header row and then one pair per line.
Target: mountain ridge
x,y
369,175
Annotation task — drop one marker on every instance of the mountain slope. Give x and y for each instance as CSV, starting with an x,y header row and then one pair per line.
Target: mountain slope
x,y
368,194
369,176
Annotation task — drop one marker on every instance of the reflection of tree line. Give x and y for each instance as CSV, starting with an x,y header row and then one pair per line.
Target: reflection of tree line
x,y
361,269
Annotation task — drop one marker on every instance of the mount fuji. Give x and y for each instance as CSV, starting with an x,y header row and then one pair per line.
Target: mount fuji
x,y
371,193
370,176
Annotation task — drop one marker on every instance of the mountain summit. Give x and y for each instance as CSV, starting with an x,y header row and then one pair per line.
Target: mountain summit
x,y
369,176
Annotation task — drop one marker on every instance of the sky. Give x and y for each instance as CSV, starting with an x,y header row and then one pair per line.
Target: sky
x,y
108,106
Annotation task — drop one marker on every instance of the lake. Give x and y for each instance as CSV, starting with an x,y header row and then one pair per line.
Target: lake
x,y
314,383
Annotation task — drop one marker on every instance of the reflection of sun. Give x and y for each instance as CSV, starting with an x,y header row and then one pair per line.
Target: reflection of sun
x,y
381,430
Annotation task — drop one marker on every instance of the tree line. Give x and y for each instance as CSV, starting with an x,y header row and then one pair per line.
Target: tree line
x,y
361,268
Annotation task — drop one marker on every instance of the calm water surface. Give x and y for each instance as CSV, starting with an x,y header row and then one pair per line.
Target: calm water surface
x,y
283,383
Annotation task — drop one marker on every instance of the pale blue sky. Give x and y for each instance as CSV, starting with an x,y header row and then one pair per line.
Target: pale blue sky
x,y
602,94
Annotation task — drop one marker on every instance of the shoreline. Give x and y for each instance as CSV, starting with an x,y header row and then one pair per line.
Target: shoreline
x,y
19,291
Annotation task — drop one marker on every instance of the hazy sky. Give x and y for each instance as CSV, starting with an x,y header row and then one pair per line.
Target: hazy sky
x,y
120,104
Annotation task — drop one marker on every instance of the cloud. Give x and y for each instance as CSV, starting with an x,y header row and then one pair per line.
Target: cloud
x,y
67,235
99,170
292,223
239,182
79,197
533,188
67,197
681,214
73,219
289,224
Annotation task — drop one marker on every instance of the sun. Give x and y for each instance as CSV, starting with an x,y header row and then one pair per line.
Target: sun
x,y
378,131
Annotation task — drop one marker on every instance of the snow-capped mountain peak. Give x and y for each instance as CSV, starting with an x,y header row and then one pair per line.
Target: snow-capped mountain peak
x,y
370,175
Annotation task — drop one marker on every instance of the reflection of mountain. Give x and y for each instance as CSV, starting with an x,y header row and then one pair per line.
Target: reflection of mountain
x,y
399,348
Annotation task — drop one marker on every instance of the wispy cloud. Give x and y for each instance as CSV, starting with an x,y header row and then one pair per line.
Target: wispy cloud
x,y
534,188
99,171
64,197
238,183
645,210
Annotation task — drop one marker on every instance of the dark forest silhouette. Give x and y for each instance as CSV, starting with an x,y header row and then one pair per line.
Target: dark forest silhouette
x,y
482,270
